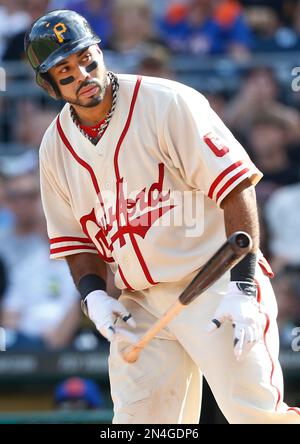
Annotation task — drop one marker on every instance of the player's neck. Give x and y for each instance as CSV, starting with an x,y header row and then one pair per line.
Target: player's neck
x,y
92,116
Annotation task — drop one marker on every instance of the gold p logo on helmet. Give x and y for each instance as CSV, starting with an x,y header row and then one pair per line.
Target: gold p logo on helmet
x,y
59,29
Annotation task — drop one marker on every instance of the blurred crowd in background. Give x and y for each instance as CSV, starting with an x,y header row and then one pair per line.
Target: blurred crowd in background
x,y
184,40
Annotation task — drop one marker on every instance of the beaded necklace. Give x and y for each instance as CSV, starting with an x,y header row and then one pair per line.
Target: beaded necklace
x,y
115,86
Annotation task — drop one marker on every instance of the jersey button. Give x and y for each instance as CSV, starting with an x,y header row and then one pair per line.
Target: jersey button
x,y
126,261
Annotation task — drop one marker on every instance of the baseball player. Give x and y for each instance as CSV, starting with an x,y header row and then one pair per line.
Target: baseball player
x,y
124,167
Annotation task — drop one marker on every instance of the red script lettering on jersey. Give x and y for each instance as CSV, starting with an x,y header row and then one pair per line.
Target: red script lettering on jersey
x,y
133,216
216,145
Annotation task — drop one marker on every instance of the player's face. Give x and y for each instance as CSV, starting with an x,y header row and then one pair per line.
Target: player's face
x,y
81,77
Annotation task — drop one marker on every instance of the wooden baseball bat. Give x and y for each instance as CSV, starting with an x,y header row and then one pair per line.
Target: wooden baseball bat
x,y
229,254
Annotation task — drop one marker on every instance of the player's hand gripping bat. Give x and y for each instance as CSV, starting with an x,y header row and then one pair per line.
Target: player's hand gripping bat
x,y
229,254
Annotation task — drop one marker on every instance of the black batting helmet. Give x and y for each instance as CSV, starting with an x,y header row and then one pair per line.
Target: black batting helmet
x,y
52,38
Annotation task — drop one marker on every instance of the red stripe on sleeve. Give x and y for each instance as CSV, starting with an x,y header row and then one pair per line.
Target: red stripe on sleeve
x,y
221,176
71,248
230,182
83,240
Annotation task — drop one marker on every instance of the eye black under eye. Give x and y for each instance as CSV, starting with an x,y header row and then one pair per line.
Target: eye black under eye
x,y
91,66
67,80
71,79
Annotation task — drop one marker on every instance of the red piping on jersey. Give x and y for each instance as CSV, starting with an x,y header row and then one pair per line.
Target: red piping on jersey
x,y
84,165
268,272
266,267
117,172
70,248
79,160
294,409
83,240
141,259
124,279
221,176
229,182
265,342
127,124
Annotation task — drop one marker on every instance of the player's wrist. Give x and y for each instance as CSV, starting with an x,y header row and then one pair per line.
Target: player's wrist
x,y
244,271
87,285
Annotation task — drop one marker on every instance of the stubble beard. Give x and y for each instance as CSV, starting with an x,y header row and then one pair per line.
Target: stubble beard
x,y
93,101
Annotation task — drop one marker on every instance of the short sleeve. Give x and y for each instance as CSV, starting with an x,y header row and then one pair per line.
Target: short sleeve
x,y
203,149
65,233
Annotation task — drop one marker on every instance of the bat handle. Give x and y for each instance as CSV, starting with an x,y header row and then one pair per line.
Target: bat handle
x,y
131,354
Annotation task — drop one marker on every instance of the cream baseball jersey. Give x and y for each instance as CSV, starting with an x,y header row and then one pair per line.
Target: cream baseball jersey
x,y
147,197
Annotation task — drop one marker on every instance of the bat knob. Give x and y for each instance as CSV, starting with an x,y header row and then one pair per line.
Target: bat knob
x,y
131,355
242,240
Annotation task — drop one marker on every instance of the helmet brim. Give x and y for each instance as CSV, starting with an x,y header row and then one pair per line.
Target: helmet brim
x,y
70,48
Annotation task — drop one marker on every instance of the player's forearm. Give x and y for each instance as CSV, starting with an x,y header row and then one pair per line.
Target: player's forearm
x,y
86,264
240,213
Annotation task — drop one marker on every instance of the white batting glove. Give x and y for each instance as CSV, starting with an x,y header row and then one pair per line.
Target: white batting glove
x,y
240,307
104,311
